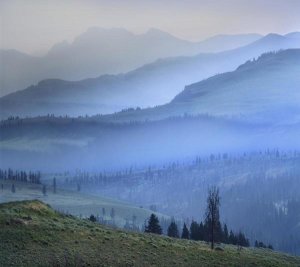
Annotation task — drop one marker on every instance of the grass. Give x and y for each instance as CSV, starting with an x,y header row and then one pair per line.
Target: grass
x,y
77,203
33,234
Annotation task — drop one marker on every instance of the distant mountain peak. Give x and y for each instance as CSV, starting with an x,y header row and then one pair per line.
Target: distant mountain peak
x,y
293,35
96,30
93,34
273,36
245,35
156,31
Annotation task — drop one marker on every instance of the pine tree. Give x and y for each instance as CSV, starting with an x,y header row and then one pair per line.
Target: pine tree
x,y
93,218
225,234
173,230
54,185
44,190
112,213
232,238
194,231
185,232
203,232
153,225
133,221
242,240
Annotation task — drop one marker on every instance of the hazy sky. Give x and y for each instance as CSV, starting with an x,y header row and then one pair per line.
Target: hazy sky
x,y
34,26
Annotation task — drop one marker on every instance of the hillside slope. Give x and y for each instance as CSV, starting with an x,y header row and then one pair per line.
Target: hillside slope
x,y
266,89
33,234
270,84
77,203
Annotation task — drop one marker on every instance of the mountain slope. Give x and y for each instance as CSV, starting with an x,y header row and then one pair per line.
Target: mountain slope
x,y
34,234
225,42
101,51
266,89
269,84
152,84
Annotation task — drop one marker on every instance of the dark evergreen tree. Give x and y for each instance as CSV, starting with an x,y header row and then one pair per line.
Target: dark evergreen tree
x,y
54,185
44,190
153,225
194,231
93,218
185,232
225,234
232,238
242,240
203,232
261,245
133,221
219,232
112,213
173,230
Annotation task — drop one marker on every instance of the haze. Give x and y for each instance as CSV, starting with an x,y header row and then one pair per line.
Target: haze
x,y
34,26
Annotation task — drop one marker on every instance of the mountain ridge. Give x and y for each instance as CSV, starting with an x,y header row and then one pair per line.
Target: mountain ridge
x,y
150,85
98,51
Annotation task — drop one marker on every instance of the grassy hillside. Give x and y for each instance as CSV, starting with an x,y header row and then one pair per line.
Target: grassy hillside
x,y
33,234
76,203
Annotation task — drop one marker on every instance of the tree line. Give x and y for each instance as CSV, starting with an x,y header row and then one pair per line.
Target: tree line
x,y
20,176
211,230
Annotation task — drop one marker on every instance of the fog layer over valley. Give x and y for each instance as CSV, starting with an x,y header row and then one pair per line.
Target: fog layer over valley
x,y
254,107
59,144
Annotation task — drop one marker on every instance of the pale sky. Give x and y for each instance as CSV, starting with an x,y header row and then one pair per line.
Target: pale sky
x,y
33,26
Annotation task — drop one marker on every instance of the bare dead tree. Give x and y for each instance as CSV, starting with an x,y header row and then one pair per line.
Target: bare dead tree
x,y
212,212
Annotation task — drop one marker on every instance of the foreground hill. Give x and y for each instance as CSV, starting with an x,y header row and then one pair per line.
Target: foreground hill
x,y
153,84
77,203
32,234
100,51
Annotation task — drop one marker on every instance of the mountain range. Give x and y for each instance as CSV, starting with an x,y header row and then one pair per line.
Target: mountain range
x,y
152,84
270,84
254,107
262,90
103,51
